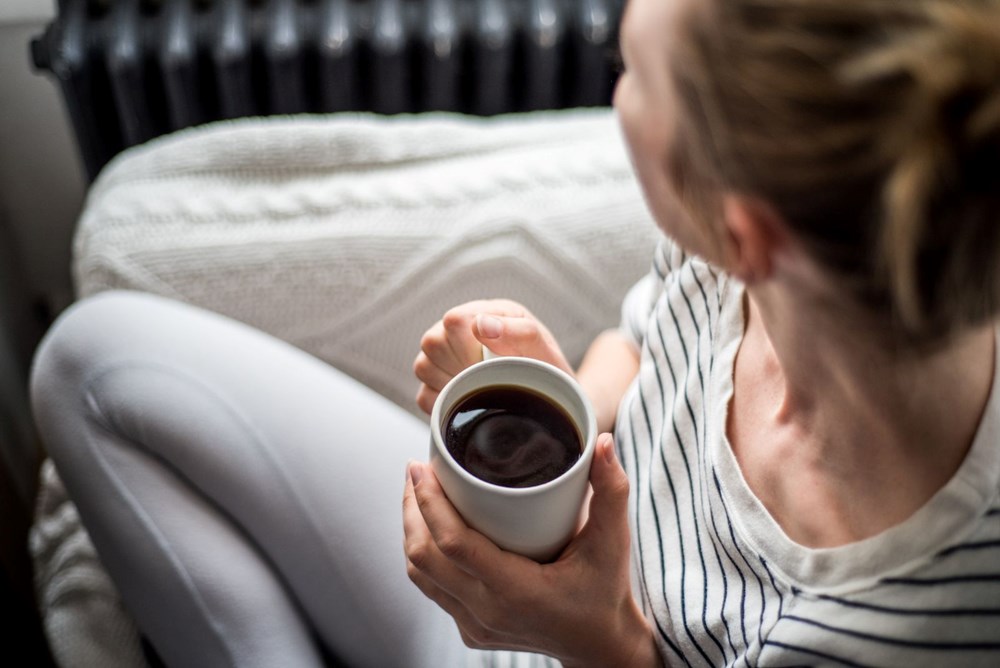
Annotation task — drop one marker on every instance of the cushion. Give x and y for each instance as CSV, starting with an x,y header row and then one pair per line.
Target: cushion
x,y
348,236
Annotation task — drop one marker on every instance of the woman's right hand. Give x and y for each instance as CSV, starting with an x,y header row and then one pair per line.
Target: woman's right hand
x,y
456,341
579,608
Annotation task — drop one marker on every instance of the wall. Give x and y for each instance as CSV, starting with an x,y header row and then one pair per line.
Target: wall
x,y
41,191
41,175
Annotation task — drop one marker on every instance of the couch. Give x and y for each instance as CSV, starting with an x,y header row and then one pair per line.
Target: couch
x,y
346,235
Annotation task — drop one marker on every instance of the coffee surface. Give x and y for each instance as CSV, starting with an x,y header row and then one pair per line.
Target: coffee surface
x,y
511,436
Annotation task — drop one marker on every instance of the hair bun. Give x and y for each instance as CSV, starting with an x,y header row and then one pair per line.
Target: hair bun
x,y
873,127
943,186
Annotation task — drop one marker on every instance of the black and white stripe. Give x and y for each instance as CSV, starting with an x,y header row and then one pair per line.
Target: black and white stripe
x,y
713,595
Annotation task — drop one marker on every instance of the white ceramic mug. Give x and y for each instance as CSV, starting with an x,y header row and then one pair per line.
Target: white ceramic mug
x,y
538,521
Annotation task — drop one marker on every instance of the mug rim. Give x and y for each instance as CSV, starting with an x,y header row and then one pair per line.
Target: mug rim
x,y
589,438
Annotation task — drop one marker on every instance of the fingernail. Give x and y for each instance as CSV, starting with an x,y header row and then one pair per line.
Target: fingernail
x,y
609,448
416,473
489,327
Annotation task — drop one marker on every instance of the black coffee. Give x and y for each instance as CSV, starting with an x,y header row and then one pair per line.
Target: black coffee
x,y
511,436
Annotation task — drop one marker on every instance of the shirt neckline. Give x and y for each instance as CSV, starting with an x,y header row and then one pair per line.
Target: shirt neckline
x,y
943,520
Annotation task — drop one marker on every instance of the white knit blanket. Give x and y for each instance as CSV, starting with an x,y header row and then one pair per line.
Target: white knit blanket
x,y
348,236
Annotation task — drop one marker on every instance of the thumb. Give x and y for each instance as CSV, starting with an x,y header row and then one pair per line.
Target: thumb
x,y
512,335
609,504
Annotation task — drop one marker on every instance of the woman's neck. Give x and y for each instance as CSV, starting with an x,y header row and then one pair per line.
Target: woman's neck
x,y
839,438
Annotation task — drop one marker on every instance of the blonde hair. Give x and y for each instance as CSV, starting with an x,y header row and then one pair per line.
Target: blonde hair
x,y
873,126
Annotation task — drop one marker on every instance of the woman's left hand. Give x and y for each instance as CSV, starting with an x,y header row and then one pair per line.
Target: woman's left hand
x,y
578,609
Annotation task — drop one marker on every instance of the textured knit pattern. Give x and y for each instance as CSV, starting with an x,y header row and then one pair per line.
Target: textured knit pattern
x,y
85,623
347,236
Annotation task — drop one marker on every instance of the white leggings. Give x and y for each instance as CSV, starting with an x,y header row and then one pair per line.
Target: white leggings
x,y
244,496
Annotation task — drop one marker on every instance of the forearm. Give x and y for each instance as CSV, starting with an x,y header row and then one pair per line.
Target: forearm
x,y
607,369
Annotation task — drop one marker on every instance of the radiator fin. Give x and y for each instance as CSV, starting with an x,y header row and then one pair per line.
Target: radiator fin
x,y
131,70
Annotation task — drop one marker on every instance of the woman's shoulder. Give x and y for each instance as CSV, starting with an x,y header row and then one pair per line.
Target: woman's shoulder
x,y
682,294
678,274
692,289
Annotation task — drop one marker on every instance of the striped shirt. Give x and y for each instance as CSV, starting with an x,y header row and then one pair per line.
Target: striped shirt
x,y
720,582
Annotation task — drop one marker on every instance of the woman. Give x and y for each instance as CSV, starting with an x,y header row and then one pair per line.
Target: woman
x,y
812,443
806,467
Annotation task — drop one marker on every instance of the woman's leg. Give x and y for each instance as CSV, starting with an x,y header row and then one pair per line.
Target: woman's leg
x,y
238,490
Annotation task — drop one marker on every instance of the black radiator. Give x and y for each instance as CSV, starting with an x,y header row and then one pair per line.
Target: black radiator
x,y
131,70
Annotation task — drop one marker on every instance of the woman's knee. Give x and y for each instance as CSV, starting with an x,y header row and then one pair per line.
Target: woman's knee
x,y
85,338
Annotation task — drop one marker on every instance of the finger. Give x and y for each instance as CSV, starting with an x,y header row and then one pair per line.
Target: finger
x,y
426,564
436,346
458,324
426,398
442,598
607,522
466,548
525,336
429,373
471,594
473,633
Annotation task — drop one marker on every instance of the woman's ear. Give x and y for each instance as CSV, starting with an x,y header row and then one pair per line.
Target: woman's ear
x,y
754,234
